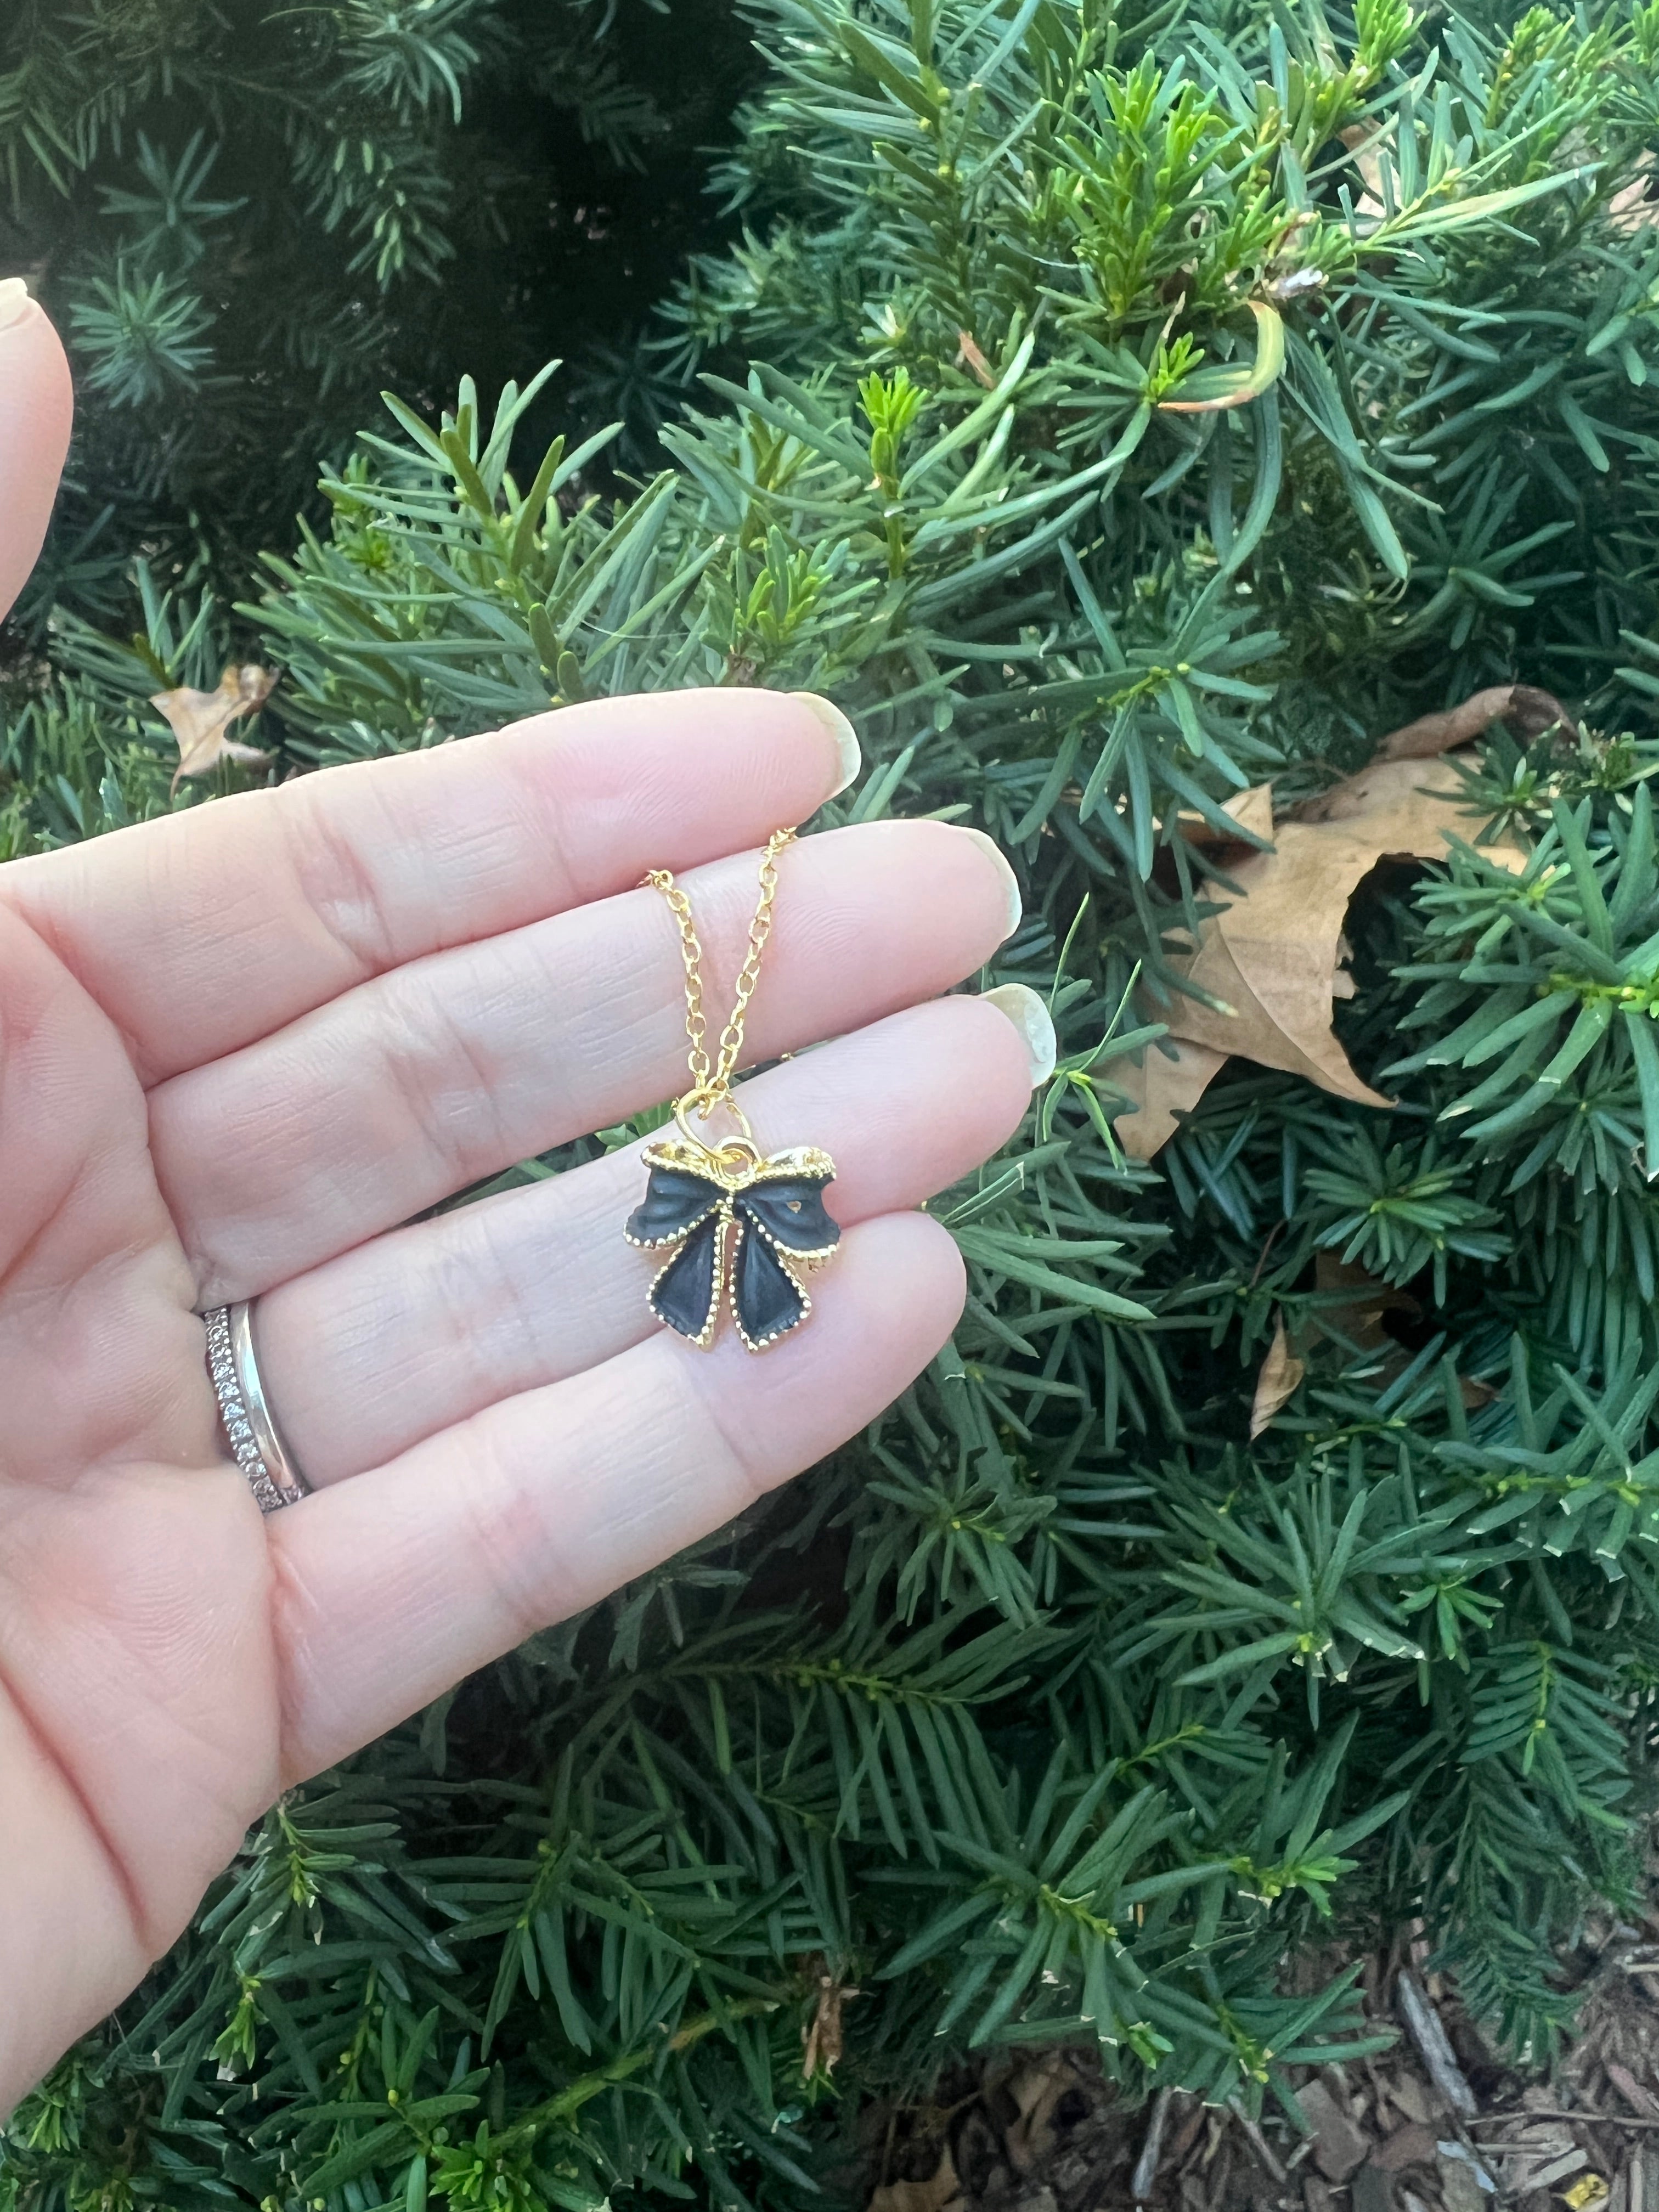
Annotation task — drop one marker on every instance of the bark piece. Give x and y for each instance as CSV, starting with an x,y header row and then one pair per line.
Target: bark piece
x,y
1423,2027
1558,2168
1146,2172
1631,2089
1412,2145
1339,2145
1371,2190
1459,2189
1405,2090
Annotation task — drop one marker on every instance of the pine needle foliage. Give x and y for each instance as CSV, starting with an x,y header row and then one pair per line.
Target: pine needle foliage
x,y
248,217
1111,408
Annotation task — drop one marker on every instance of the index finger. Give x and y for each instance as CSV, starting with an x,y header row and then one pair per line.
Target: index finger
x,y
206,930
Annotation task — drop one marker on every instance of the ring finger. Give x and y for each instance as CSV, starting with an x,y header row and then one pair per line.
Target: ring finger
x,y
374,1352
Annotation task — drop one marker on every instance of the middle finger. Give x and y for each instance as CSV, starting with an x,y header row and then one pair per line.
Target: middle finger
x,y
408,1088
414,1332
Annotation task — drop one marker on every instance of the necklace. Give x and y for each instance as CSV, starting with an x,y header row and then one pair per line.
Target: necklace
x,y
729,1215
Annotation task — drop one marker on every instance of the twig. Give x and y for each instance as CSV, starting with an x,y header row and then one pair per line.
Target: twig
x,y
1261,1260
1257,2141
1430,2036
1631,2089
1590,2120
1146,2172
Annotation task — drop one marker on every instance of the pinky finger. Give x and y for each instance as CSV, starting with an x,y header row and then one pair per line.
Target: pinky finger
x,y
391,1586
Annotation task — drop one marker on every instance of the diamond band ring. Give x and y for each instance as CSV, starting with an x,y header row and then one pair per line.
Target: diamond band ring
x,y
249,1426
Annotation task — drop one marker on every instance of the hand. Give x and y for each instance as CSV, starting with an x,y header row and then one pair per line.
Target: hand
x,y
240,1046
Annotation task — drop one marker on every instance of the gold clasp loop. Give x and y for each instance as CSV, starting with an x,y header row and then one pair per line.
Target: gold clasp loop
x,y
703,1101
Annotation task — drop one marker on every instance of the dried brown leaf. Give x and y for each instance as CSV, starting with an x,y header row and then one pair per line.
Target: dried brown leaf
x,y
1273,957
1353,1322
1353,1302
1252,811
1036,2090
822,2037
1630,210
970,356
1358,138
932,2194
1281,1373
201,721
1528,712
1173,1076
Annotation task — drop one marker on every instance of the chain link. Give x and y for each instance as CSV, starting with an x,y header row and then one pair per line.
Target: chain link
x,y
711,1082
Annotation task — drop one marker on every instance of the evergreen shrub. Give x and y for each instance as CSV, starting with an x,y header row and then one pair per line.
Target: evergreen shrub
x,y
1113,409
248,217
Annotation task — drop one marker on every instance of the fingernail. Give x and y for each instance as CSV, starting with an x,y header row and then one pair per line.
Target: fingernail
x,y
846,736
14,301
1010,880
1030,1017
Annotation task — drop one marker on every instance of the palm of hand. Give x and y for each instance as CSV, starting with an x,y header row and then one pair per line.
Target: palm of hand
x,y
237,1049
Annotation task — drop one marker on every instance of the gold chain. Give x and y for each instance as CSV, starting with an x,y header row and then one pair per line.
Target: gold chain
x,y
711,1083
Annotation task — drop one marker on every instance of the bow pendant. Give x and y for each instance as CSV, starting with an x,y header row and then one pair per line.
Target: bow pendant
x,y
738,1217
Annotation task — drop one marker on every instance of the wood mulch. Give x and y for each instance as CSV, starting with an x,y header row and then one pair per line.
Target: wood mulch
x,y
1439,2122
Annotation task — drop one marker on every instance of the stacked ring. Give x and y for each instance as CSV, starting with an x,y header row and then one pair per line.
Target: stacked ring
x,y
249,1426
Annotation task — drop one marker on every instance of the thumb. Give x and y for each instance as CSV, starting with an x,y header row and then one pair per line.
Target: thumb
x,y
37,405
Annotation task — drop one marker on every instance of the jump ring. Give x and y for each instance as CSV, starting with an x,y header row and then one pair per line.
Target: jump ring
x,y
250,1425
699,1101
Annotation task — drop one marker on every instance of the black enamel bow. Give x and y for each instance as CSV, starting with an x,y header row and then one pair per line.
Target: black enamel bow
x,y
733,1215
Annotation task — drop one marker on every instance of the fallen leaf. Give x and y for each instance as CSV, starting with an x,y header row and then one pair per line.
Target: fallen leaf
x,y
1173,1076
1274,953
1037,2090
932,2194
1281,1373
1528,712
1354,1320
968,355
1252,811
201,719
1630,210
1590,2189
822,2038
1358,138
1354,1302
1274,957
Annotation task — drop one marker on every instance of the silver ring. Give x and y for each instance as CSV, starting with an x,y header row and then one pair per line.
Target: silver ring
x,y
249,1424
